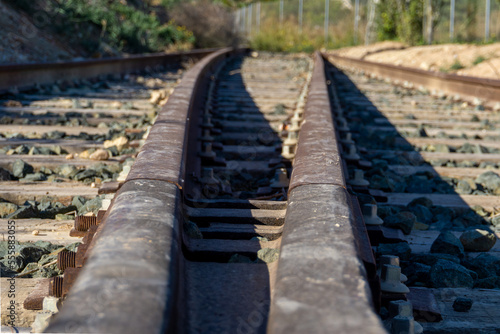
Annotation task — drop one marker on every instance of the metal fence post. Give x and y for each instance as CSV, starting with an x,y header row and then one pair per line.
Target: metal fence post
x,y
257,17
487,21
301,10
243,19
327,13
281,11
356,21
250,9
452,20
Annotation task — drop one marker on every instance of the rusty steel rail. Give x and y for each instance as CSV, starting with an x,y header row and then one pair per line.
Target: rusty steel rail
x,y
471,87
130,281
321,285
25,76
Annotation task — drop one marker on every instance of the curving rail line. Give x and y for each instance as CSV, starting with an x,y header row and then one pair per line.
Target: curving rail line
x,y
133,278
147,269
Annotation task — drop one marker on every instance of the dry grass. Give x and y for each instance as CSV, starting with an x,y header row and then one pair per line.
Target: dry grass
x,y
286,37
212,24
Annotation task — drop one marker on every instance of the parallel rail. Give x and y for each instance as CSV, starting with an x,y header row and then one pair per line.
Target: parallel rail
x,y
25,76
472,87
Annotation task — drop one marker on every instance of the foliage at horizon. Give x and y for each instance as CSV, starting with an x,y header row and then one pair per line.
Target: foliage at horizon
x,y
124,26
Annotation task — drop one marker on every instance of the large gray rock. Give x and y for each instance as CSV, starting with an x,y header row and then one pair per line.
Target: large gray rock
x,y
35,177
268,255
478,240
20,168
487,262
417,273
7,209
92,205
78,201
468,219
492,282
403,221
490,180
422,213
85,174
48,246
421,201
448,274
26,211
4,247
431,259
462,304
67,171
401,249
5,175
447,243
16,263
32,253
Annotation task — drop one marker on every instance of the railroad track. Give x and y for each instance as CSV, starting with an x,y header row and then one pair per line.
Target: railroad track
x,y
65,148
429,162
247,210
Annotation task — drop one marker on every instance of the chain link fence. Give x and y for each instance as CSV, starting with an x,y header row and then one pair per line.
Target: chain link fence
x,y
334,23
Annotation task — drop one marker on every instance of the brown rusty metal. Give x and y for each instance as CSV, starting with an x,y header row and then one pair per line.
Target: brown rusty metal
x,y
77,234
82,249
27,75
70,276
163,156
56,286
451,83
100,216
66,259
83,223
320,219
365,252
317,160
34,301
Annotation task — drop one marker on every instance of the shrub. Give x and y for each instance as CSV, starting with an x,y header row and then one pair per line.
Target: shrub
x,y
211,23
457,65
478,60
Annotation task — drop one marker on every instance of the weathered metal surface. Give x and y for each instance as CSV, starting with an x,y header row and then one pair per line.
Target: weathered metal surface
x,y
246,313
162,156
34,301
321,284
130,281
27,75
451,83
318,159
238,216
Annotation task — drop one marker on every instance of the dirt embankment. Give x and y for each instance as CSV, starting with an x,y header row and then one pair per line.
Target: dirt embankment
x,y
462,59
22,41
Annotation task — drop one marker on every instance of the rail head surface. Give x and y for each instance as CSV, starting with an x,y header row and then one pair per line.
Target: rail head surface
x,y
128,285
321,284
25,76
318,149
466,86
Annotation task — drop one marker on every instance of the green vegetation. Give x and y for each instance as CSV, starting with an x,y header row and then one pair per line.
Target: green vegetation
x,y
479,60
281,40
107,25
288,37
457,65
401,20
124,26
